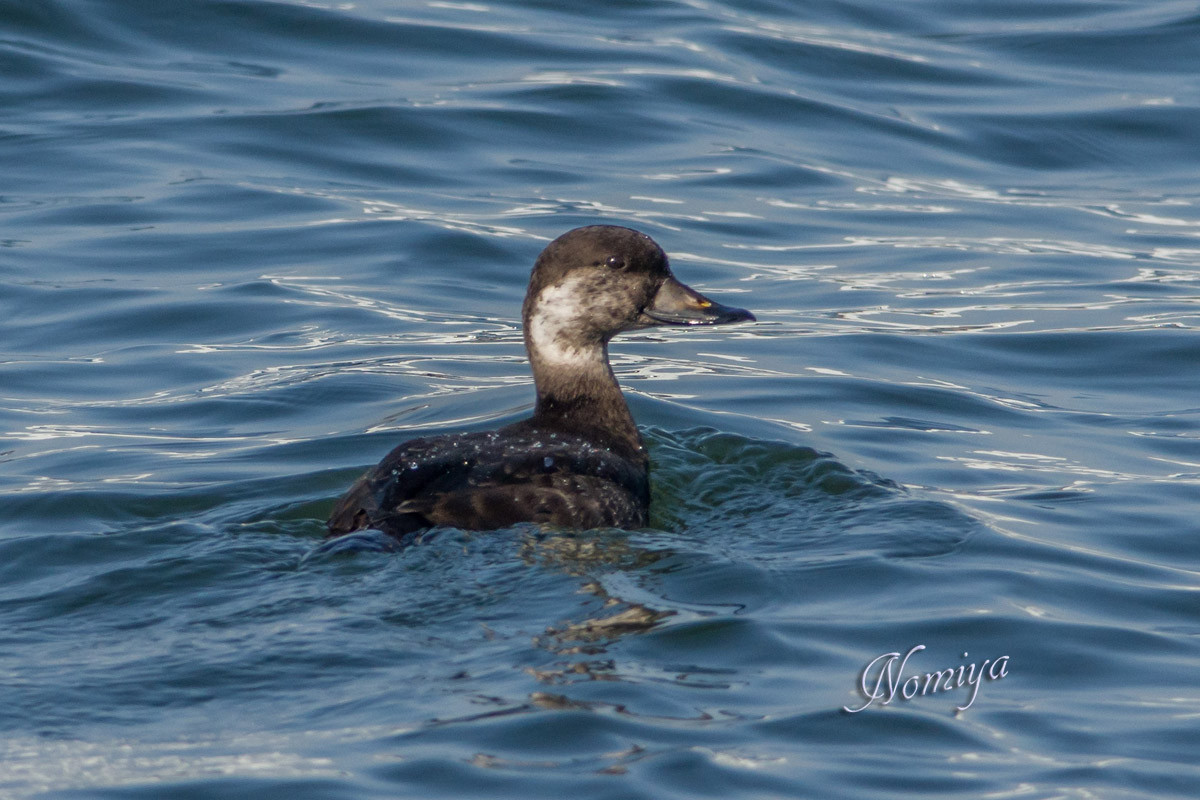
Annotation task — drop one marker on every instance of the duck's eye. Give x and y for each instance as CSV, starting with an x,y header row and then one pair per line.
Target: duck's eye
x,y
614,262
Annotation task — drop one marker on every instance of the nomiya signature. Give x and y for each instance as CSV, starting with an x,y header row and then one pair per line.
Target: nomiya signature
x,y
882,678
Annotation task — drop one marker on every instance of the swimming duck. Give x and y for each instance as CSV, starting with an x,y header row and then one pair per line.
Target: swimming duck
x,y
579,461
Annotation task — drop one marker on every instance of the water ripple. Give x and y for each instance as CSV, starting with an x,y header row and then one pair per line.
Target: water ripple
x,y
250,245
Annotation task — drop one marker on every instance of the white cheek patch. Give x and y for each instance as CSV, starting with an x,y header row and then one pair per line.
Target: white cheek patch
x,y
554,326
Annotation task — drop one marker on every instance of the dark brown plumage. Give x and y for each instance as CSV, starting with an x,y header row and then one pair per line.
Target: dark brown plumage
x,y
579,461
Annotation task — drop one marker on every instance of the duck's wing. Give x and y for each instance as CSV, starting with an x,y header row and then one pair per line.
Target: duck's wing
x,y
562,499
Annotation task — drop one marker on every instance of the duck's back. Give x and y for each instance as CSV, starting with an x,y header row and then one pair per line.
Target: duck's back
x,y
483,481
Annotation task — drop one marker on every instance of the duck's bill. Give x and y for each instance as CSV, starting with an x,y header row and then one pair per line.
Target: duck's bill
x,y
676,304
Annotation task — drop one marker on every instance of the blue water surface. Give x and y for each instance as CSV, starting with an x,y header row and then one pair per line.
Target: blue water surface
x,y
246,247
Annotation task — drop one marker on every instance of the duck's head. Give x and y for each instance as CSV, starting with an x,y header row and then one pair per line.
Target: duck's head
x,y
592,283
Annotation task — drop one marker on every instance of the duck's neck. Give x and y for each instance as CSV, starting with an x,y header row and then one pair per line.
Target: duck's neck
x,y
578,393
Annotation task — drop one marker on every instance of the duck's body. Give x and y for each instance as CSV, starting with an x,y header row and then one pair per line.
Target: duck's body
x,y
480,481
579,462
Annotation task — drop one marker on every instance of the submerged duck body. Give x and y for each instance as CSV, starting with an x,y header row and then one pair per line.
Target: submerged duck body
x,y
579,461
